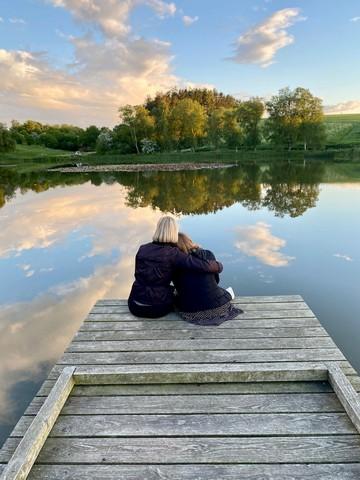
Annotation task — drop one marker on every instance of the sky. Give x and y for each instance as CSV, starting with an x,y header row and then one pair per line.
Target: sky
x,y
77,61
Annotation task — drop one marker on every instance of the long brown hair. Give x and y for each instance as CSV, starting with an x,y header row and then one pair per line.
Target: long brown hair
x,y
185,243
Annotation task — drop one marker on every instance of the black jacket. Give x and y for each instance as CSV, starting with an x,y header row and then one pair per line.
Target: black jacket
x,y
199,291
155,267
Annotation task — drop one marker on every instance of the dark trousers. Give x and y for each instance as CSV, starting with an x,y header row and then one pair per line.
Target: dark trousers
x,y
151,311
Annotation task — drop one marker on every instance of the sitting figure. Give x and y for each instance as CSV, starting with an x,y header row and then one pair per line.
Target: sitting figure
x,y
199,298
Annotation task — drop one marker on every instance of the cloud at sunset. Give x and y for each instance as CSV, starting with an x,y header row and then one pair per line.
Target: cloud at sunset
x,y
107,71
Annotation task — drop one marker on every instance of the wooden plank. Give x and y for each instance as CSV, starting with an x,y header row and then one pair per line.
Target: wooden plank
x,y
243,299
202,356
346,394
205,404
199,373
201,345
345,471
36,432
192,389
206,333
253,424
247,307
236,450
103,323
247,315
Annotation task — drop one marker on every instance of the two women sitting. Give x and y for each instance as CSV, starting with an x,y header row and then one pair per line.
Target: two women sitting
x,y
174,272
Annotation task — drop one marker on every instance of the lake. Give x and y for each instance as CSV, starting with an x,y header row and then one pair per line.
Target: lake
x,y
67,240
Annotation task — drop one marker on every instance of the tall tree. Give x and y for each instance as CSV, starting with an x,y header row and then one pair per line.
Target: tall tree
x,y
310,112
139,121
188,120
215,126
7,143
294,116
232,132
249,114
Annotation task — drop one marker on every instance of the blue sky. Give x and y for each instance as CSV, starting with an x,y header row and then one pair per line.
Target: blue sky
x,y
77,61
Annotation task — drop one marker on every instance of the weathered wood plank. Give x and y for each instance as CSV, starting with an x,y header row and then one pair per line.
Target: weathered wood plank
x,y
192,389
236,450
247,315
346,471
161,325
38,429
201,345
205,333
202,356
253,424
346,394
243,299
155,404
247,307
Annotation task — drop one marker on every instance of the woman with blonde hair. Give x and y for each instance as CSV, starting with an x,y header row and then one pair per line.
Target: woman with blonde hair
x,y
156,263
199,298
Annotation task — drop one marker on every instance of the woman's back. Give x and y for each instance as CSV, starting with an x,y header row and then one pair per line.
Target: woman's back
x,y
198,291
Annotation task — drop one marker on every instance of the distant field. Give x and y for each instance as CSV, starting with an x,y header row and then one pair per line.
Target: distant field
x,y
343,129
31,152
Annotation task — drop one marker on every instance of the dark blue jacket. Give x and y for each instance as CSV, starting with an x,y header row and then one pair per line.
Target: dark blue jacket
x,y
198,291
156,265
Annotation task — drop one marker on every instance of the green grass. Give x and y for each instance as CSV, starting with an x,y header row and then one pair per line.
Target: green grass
x,y
34,157
24,153
343,129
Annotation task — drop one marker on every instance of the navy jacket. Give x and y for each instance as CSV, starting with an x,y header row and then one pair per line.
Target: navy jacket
x,y
199,291
155,267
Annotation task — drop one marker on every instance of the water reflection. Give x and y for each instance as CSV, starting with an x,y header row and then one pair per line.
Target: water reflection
x,y
67,240
286,189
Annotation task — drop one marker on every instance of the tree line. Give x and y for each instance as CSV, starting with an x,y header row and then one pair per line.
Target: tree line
x,y
194,119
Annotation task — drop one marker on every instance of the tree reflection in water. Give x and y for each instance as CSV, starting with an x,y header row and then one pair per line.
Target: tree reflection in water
x,y
285,189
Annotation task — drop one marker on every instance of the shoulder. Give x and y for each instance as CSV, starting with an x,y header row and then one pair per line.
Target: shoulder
x,y
203,254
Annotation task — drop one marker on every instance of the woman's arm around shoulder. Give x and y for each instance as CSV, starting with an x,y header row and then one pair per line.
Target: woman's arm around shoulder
x,y
206,263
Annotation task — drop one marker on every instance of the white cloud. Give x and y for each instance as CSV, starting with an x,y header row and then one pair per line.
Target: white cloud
x,y
260,43
351,106
347,258
189,20
112,16
27,342
355,19
107,71
19,21
1,20
257,241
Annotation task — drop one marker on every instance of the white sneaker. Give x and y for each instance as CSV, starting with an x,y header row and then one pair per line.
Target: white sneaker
x,y
231,291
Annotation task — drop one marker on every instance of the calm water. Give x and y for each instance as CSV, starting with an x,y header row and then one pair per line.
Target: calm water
x,y
66,241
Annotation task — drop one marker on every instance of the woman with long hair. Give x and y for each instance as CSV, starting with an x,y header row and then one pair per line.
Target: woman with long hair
x,y
199,298
156,263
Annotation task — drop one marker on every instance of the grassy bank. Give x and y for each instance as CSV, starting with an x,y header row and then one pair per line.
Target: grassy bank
x,y
37,158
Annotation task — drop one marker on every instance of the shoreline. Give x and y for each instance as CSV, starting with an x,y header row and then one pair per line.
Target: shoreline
x,y
145,167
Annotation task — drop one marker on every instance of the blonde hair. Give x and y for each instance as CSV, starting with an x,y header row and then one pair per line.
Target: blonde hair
x,y
166,230
185,243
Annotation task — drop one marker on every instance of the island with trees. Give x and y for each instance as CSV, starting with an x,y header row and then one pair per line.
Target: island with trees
x,y
192,125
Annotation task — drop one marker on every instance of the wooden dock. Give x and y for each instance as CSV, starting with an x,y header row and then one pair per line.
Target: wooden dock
x,y
267,396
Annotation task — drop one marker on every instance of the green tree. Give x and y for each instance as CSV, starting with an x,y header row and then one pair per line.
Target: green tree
x,y
309,110
104,141
232,132
249,114
89,137
294,116
139,121
7,142
215,127
188,120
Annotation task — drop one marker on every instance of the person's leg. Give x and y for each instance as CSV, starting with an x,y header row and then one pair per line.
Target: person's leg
x,y
149,311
